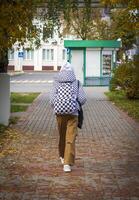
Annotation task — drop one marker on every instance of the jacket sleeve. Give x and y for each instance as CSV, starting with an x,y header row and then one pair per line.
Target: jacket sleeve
x,y
81,95
52,94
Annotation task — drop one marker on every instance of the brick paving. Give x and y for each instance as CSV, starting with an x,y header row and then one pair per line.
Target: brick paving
x,y
107,155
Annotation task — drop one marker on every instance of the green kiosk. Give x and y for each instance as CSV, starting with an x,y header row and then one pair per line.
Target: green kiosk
x,y
93,60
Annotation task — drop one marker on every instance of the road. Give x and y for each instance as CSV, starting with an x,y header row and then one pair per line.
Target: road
x,y
43,81
32,82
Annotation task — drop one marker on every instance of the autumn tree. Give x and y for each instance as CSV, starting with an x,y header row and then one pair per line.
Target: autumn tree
x,y
79,18
15,25
125,24
87,23
124,21
82,19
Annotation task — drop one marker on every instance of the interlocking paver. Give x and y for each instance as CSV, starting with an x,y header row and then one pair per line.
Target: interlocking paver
x,y
107,155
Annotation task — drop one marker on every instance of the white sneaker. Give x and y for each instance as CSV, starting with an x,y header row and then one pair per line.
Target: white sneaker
x,y
62,160
67,168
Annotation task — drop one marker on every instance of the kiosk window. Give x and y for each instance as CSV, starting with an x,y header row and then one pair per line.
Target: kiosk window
x,y
106,67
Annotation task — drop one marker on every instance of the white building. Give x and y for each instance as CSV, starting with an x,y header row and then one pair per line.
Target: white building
x,y
50,56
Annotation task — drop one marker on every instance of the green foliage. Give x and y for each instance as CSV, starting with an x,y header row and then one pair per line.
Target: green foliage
x,y
122,74
18,108
122,26
16,26
113,82
16,22
86,23
21,101
125,76
124,21
119,3
23,97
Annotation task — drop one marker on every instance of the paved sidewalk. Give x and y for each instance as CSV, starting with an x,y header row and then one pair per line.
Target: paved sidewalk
x,y
107,156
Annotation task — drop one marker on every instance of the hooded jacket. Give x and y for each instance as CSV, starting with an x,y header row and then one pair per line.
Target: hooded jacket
x,y
67,74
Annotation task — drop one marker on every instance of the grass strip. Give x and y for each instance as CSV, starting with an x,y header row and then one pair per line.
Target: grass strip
x,y
18,108
23,97
120,99
23,100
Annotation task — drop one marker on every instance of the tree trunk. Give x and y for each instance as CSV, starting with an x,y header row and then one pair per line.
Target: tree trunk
x,y
3,60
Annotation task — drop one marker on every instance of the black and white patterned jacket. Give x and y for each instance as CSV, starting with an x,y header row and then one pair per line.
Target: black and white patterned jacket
x,y
68,76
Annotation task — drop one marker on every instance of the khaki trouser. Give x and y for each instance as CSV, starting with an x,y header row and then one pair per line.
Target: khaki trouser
x,y
67,126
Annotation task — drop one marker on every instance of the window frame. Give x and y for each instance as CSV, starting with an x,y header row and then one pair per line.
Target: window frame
x,y
28,54
48,54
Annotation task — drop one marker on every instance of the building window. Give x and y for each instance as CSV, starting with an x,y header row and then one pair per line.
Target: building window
x,y
28,54
48,54
64,54
11,54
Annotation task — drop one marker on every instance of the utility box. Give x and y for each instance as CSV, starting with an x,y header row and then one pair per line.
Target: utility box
x,y
4,98
93,60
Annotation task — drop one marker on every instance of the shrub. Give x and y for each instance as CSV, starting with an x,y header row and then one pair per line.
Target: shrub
x,y
125,76
113,81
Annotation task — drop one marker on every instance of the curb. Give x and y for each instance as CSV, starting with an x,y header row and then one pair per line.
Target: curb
x,y
16,73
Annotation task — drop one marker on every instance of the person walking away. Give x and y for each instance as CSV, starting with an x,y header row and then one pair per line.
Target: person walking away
x,y
66,90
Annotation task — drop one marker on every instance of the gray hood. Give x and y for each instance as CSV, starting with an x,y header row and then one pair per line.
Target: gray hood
x,y
66,74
